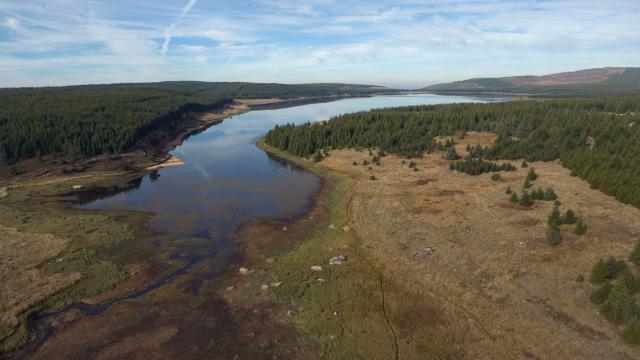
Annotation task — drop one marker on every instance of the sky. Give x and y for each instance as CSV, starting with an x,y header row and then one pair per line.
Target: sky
x,y
402,44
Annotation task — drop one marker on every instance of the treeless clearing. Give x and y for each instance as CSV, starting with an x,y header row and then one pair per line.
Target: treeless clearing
x,y
23,284
458,238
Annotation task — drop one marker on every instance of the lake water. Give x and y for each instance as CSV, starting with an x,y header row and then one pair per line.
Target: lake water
x,y
226,180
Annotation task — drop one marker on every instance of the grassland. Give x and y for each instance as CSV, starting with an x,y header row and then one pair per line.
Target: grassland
x,y
54,254
442,265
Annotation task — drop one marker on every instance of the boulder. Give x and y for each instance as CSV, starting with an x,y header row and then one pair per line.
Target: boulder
x,y
338,260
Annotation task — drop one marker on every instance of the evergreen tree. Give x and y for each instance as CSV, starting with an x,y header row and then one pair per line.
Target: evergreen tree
x,y
635,255
619,307
631,333
531,175
514,198
600,295
509,191
524,164
581,228
496,177
554,220
317,157
550,195
525,199
451,154
600,272
569,217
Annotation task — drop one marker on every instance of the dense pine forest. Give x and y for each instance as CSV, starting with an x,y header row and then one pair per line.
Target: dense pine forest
x,y
597,139
96,119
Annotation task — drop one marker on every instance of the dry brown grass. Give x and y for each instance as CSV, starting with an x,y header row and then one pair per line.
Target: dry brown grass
x,y
23,284
490,264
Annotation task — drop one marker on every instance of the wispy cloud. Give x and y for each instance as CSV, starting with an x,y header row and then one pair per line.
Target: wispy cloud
x,y
397,43
168,30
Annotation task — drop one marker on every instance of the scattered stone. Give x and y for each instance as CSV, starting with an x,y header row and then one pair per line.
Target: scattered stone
x,y
264,287
276,284
76,187
429,250
332,226
230,288
59,259
284,228
289,313
320,280
346,228
316,268
332,337
338,260
310,217
244,271
270,260
335,313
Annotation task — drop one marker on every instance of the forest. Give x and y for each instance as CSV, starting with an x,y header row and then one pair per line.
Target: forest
x,y
89,120
597,139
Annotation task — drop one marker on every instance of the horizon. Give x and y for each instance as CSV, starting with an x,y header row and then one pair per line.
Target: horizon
x,y
404,45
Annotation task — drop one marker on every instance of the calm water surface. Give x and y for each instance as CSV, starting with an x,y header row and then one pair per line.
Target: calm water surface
x,y
226,180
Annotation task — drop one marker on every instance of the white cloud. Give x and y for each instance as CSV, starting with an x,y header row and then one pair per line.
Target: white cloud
x,y
168,30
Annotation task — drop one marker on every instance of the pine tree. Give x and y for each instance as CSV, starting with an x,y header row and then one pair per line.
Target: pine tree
x,y
600,272
581,228
554,220
619,307
509,191
531,175
525,199
631,332
550,195
599,295
451,154
524,164
514,198
317,157
569,217
635,255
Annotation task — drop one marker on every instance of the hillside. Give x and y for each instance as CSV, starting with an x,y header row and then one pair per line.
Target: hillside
x,y
90,120
600,81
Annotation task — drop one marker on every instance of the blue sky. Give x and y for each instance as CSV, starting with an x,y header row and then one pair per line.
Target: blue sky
x,y
392,43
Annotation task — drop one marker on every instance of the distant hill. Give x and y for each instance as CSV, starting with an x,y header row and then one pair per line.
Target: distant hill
x,y
589,82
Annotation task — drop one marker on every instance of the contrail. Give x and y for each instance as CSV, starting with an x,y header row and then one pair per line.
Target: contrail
x,y
168,30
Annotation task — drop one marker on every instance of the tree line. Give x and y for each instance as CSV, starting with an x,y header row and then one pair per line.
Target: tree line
x,y
597,139
96,119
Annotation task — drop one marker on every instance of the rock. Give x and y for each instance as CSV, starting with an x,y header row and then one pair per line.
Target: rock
x,y
316,268
335,313
310,217
270,260
276,284
289,313
244,271
332,226
264,287
284,228
338,260
346,228
428,250
320,280
76,187
230,288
